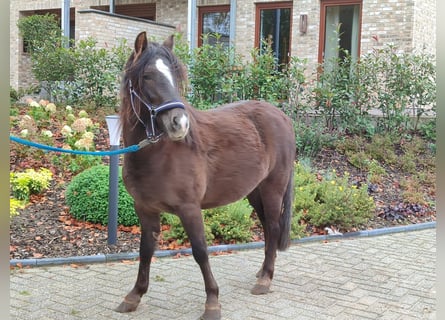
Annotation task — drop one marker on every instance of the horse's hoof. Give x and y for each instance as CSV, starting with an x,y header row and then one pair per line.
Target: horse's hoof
x,y
260,289
125,307
262,286
212,313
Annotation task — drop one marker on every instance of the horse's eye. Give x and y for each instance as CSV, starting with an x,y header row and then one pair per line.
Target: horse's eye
x,y
146,77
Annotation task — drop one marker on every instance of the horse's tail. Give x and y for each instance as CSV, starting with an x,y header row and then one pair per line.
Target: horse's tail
x,y
286,214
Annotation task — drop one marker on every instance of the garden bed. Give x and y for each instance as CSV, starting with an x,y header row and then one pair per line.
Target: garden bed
x,y
46,229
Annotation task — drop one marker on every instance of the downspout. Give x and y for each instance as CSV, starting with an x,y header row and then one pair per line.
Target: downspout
x,y
112,6
232,22
191,25
66,22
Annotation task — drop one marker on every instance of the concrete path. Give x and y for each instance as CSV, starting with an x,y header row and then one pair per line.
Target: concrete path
x,y
384,277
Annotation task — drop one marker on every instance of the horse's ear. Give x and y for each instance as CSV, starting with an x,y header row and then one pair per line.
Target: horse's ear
x,y
140,43
169,42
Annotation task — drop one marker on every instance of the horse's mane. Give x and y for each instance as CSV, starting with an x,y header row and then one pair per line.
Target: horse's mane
x,y
134,71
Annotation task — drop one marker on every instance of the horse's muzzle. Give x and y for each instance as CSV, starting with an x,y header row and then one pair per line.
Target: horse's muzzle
x,y
176,124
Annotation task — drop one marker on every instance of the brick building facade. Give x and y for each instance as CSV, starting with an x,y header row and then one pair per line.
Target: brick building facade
x,y
409,24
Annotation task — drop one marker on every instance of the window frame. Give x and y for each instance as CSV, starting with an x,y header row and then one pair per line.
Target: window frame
x,y
322,35
202,10
268,6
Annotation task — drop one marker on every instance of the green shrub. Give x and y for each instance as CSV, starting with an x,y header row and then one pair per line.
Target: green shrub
x,y
382,148
87,197
232,222
177,232
228,224
310,139
330,200
23,184
81,73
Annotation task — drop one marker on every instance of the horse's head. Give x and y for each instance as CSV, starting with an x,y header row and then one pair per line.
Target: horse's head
x,y
152,85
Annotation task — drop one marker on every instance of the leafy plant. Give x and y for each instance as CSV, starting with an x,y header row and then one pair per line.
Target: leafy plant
x,y
231,223
24,184
14,206
310,139
330,200
77,73
399,80
87,197
227,224
381,148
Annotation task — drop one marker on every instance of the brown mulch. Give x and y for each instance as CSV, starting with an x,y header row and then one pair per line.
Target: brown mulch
x,y
45,229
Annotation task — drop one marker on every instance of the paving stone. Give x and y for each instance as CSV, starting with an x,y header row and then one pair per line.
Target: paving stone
x,y
387,277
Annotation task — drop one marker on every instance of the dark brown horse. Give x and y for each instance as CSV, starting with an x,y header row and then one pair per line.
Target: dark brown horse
x,y
194,160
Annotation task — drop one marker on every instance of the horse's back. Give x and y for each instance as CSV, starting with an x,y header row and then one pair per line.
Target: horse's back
x,y
273,126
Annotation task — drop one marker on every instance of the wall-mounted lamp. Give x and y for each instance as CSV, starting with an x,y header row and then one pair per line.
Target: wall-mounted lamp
x,y
303,23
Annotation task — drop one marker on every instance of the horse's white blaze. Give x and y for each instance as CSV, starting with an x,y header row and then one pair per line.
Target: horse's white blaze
x,y
162,67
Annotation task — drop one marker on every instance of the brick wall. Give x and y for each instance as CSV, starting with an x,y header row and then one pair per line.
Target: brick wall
x,y
424,28
109,28
390,20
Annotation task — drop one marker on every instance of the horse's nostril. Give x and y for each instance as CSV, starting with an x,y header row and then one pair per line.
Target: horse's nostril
x,y
176,121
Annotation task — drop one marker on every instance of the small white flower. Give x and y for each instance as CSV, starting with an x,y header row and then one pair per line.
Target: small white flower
x,y
71,117
69,108
34,104
24,133
82,124
50,107
83,114
66,131
47,133
84,144
88,135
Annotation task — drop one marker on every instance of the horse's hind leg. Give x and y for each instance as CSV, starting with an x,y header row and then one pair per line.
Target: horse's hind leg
x,y
255,201
150,231
269,217
193,224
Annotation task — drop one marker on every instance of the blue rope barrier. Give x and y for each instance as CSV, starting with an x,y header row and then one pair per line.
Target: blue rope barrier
x,y
132,148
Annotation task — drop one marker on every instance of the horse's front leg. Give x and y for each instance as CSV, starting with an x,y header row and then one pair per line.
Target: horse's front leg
x,y
193,224
150,231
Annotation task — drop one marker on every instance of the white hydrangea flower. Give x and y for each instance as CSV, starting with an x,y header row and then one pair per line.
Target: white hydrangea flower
x,y
34,103
51,107
84,144
24,133
88,135
83,114
47,133
66,131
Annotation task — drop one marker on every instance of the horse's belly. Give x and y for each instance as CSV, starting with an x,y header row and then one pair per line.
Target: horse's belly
x,y
227,188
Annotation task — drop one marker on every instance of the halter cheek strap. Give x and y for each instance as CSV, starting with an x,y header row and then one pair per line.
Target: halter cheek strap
x,y
151,128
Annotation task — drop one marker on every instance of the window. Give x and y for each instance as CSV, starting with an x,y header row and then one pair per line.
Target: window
x,y
340,27
273,26
214,22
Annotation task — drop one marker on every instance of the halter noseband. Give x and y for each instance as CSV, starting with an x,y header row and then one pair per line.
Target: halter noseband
x,y
150,128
